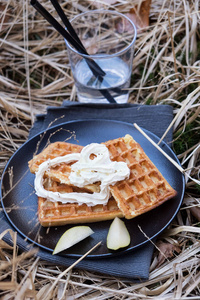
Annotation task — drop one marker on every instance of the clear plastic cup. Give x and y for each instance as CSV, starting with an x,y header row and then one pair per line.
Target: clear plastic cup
x,y
109,38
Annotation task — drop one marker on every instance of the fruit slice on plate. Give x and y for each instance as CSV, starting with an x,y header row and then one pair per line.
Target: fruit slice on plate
x,y
71,237
118,235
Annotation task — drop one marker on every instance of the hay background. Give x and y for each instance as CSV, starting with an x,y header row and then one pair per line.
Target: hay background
x,y
35,73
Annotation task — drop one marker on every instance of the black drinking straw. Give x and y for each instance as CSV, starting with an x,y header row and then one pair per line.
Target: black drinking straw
x,y
73,33
73,40
67,23
96,69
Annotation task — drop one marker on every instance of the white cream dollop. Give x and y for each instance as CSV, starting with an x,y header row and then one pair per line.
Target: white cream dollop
x,y
85,170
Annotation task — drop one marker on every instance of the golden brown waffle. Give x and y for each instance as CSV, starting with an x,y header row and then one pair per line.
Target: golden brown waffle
x,y
53,150
57,213
146,188
61,172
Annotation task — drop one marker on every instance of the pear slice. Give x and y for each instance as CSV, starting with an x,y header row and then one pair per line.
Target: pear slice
x,y
118,235
71,237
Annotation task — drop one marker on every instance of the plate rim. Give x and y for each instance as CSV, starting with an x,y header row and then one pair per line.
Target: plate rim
x,y
122,252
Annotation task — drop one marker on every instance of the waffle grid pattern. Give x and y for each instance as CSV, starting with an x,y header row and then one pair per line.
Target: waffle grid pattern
x,y
146,188
53,150
56,213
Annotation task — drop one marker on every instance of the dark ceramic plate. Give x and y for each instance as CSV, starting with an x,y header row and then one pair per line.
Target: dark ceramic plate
x,y
20,202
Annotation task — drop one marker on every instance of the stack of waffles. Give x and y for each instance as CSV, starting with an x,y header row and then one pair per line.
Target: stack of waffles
x,y
145,189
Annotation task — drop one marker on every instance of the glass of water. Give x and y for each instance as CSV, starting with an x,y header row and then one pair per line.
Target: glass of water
x,y
108,38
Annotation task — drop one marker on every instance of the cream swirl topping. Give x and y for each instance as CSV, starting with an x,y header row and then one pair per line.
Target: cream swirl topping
x,y
85,170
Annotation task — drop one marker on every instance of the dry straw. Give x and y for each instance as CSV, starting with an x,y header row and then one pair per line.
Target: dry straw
x,y
35,73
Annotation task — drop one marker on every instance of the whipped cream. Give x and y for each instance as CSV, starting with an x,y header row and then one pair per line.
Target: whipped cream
x,y
92,165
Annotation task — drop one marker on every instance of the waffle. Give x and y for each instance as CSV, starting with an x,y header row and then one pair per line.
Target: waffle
x,y
61,172
58,214
52,151
146,188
